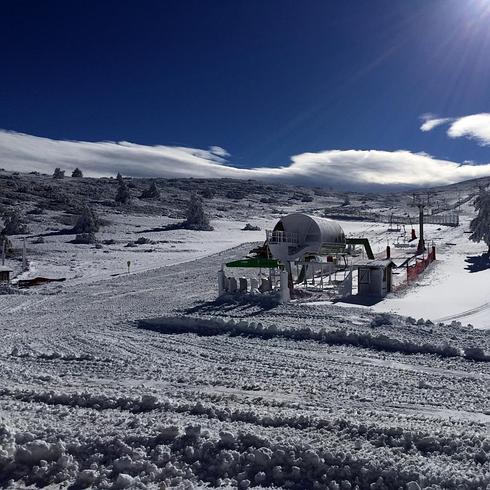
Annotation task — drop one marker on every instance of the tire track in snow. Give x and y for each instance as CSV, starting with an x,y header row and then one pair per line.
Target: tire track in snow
x,y
465,313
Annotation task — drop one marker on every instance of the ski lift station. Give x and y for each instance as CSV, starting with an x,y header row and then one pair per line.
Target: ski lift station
x,y
298,235
307,253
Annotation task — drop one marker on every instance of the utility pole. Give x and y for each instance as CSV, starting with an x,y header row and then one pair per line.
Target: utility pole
x,y
421,246
421,205
24,255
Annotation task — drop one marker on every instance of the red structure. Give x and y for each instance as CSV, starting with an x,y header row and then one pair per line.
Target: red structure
x,y
420,265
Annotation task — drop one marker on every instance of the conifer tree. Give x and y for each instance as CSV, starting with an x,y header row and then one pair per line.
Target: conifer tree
x,y
151,192
14,223
480,226
58,173
87,222
122,196
196,218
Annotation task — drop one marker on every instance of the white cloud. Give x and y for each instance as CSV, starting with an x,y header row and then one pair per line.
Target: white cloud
x,y
353,169
475,126
218,151
27,153
430,123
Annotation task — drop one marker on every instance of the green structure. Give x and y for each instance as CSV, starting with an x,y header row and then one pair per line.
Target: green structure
x,y
255,262
364,242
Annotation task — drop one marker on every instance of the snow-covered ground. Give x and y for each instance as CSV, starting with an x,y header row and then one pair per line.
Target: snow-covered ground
x,y
57,257
236,394
304,396
449,289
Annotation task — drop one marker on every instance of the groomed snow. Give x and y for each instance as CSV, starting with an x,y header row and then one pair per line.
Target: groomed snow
x,y
234,394
448,290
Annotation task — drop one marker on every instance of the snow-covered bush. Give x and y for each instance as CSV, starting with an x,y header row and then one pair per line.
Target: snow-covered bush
x,y
122,196
85,238
151,192
208,193
196,218
58,173
5,242
87,222
143,241
77,173
14,223
249,227
480,226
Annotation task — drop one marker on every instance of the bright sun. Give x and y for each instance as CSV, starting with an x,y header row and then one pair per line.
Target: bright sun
x,y
481,6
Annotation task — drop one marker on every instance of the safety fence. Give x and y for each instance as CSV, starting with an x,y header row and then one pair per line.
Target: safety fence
x,y
451,219
442,219
421,263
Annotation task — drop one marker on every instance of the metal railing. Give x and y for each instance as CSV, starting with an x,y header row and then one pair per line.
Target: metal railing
x,y
274,236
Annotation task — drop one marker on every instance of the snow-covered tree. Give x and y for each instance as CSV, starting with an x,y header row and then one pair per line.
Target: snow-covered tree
x,y
77,173
196,218
58,173
122,196
87,222
208,193
9,249
151,192
480,226
14,223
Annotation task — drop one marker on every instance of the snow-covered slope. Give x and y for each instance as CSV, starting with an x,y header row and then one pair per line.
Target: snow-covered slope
x,y
234,394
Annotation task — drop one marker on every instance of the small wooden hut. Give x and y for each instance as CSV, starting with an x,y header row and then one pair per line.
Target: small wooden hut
x,y
5,273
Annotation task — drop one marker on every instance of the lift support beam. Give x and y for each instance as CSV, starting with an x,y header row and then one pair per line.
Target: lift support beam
x,y
364,242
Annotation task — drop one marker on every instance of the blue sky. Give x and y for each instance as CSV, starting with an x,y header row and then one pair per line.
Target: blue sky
x,y
265,80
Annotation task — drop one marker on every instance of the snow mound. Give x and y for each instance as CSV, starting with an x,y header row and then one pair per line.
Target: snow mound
x,y
341,336
187,457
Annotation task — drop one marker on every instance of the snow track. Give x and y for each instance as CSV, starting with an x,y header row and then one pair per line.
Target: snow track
x,y
466,313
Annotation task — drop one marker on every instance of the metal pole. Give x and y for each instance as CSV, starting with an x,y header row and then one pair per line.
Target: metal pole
x,y
24,258
421,246
4,249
